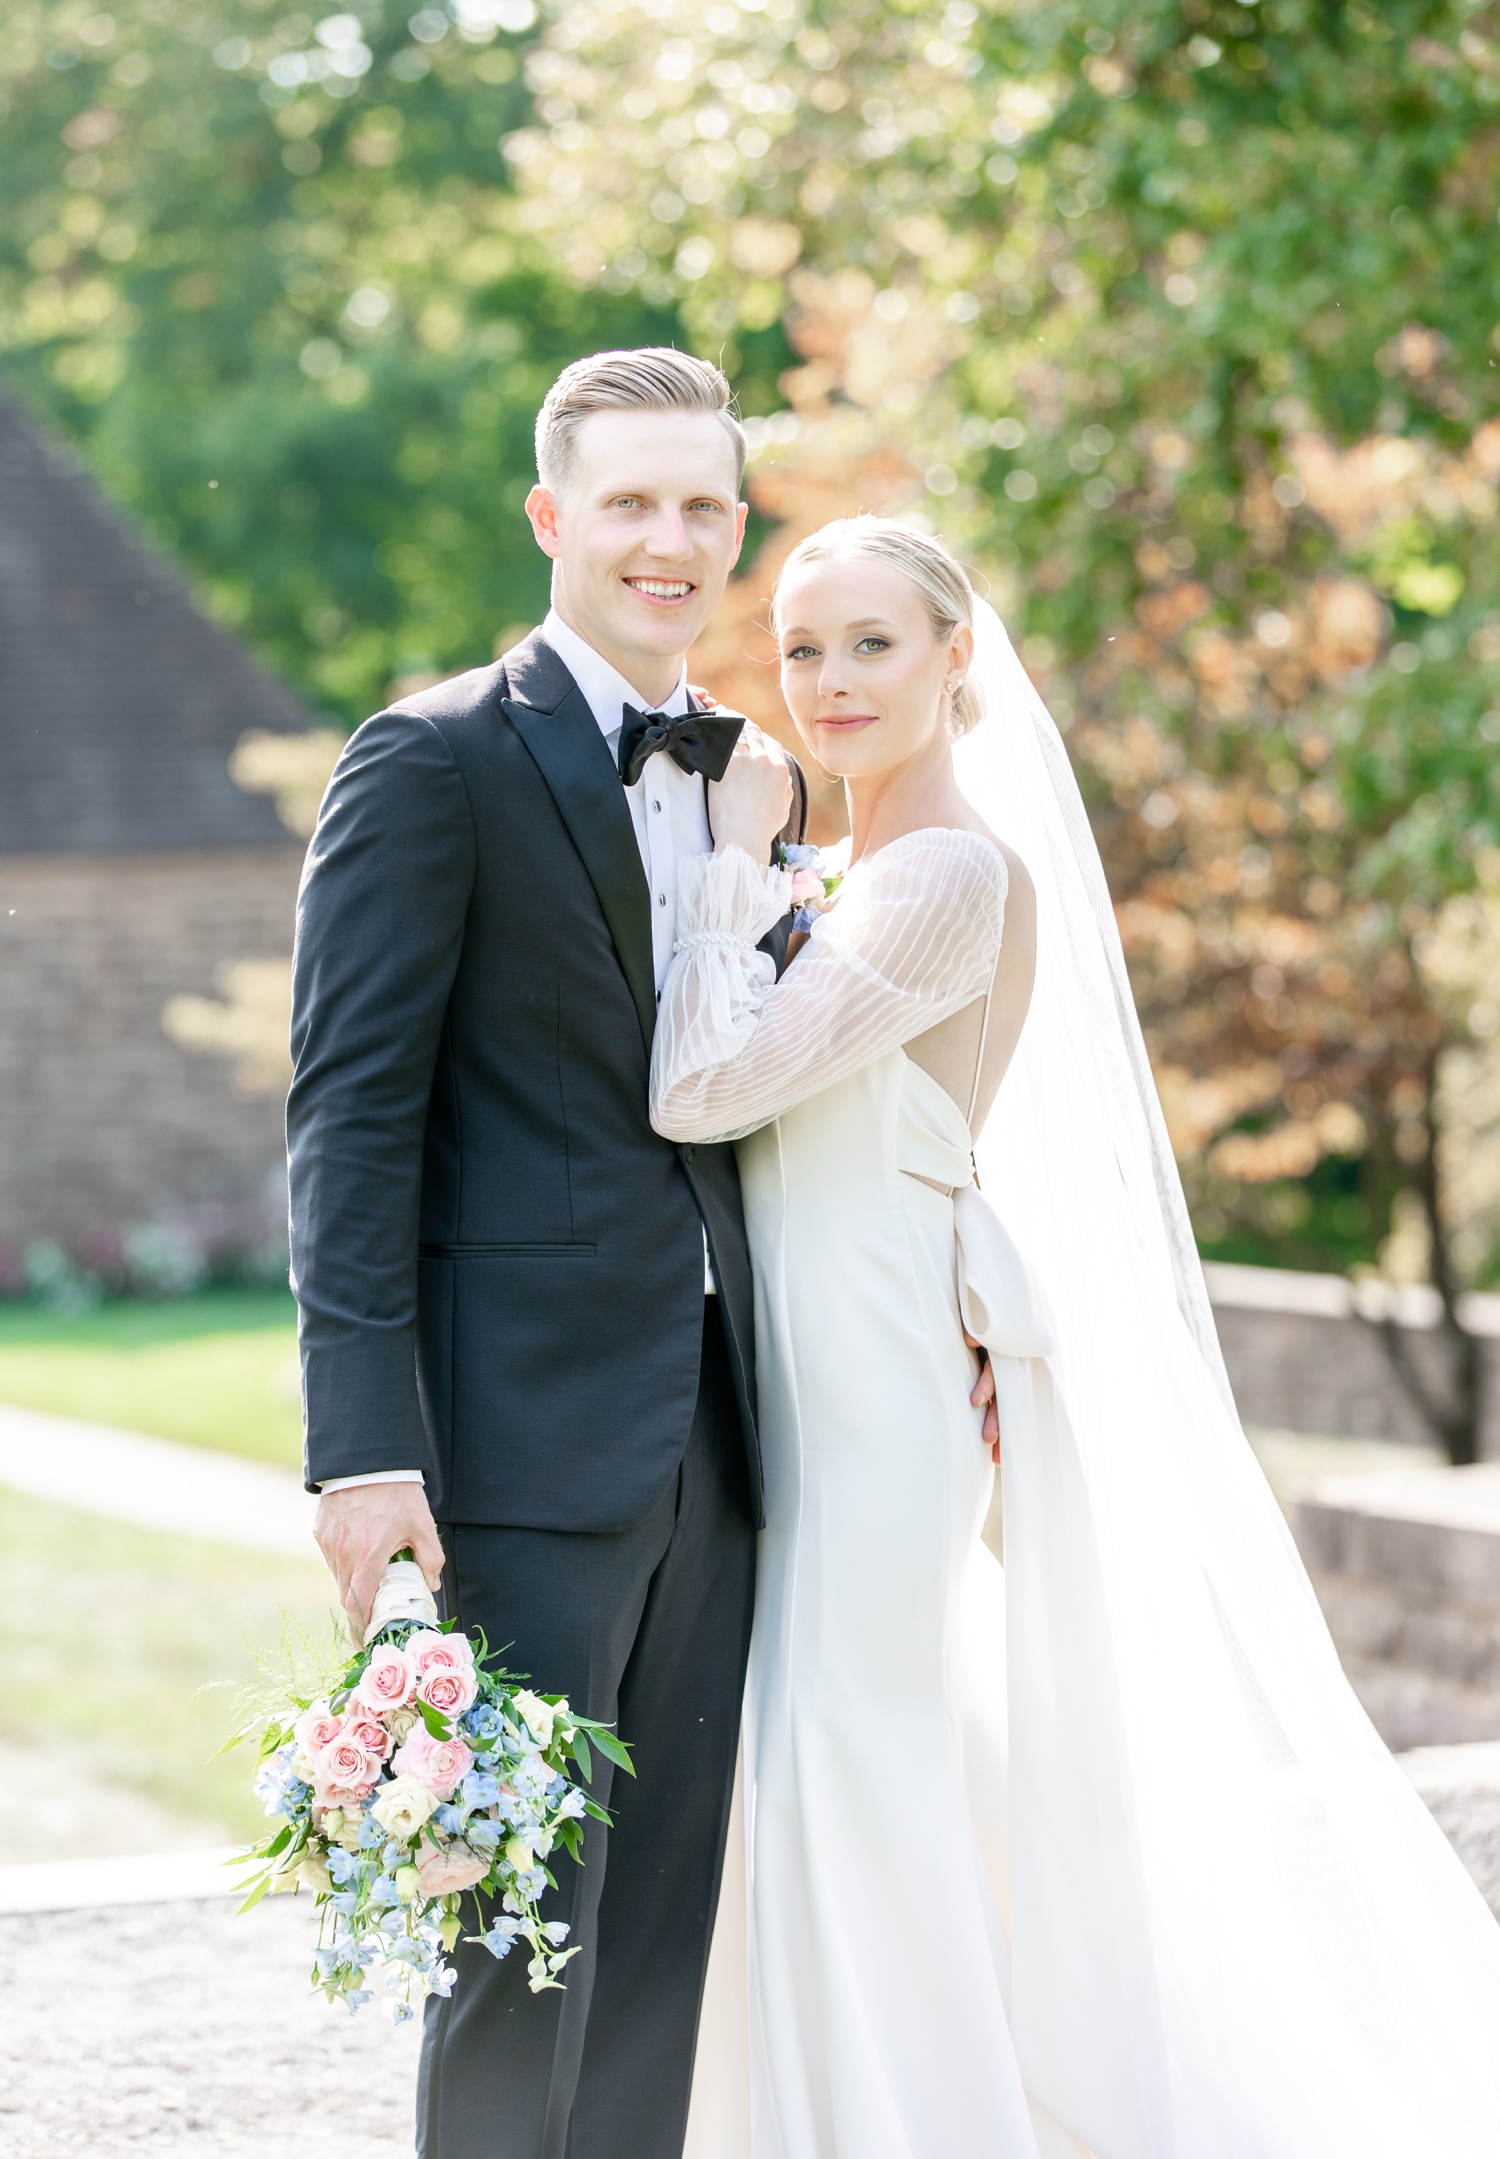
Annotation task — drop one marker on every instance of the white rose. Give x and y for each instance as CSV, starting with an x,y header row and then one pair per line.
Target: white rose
x,y
539,1715
402,1808
401,1723
313,1872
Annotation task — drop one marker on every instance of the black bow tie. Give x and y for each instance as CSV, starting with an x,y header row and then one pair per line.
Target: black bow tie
x,y
698,741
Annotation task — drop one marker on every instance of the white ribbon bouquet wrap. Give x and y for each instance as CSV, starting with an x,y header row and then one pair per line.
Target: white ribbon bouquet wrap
x,y
408,1777
402,1594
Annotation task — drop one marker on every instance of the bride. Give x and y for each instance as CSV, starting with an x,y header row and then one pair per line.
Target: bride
x,y
1100,1856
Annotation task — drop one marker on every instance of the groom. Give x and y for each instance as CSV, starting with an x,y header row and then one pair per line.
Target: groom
x,y
526,1321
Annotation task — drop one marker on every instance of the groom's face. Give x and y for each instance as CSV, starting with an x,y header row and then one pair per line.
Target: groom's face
x,y
643,535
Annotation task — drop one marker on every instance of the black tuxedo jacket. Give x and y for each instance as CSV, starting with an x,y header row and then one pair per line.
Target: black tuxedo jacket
x,y
498,1263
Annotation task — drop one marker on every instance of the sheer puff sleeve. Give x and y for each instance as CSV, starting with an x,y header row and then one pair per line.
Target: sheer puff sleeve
x,y
913,937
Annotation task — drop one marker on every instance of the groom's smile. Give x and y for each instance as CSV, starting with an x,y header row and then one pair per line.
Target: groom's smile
x,y
658,590
643,526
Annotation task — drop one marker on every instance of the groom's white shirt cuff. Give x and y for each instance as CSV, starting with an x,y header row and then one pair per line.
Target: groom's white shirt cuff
x,y
374,1476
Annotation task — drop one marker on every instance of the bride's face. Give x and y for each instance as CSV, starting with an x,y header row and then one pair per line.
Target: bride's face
x,y
863,674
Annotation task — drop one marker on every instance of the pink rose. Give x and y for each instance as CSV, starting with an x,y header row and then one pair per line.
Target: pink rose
x,y
430,1651
315,1728
328,1796
806,885
369,1733
389,1681
440,1764
447,1691
343,1768
451,1867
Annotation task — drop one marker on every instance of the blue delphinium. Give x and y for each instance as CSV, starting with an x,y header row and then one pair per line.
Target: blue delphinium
x,y
277,1785
480,1789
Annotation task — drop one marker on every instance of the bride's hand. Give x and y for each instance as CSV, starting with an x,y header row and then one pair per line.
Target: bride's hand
x,y
749,806
982,1395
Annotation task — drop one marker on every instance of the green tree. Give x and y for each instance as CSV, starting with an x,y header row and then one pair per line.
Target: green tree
x,y
266,272
1184,310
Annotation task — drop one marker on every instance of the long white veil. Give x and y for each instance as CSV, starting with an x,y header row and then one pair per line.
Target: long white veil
x,y
1237,1932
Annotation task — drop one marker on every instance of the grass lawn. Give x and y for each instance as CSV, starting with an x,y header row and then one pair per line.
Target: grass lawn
x,y
109,1636
215,1370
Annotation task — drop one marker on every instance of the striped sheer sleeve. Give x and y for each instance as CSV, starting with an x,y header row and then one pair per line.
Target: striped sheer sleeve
x,y
913,937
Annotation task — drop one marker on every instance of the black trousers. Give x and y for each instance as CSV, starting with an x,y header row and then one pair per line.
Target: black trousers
x,y
648,1626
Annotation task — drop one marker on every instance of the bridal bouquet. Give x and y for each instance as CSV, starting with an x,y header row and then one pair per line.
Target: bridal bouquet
x,y
419,1771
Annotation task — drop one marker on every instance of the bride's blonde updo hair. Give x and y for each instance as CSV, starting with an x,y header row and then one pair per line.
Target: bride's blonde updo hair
x,y
942,583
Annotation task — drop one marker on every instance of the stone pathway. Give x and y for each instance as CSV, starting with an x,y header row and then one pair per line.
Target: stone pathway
x,y
186,2032
155,1483
182,2030
138,2013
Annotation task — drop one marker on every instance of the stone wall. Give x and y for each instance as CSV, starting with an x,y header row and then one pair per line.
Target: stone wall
x,y
104,1121
1303,1353
1406,1564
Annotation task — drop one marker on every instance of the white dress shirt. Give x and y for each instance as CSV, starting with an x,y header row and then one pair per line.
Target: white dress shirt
x,y
668,806
669,809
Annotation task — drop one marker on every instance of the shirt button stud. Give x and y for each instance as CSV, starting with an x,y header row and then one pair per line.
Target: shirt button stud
x,y
656,805
661,899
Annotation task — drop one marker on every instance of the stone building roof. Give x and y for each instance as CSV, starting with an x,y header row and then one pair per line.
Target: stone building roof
x,y
119,701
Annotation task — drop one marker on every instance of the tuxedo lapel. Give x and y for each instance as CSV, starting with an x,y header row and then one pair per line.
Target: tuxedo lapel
x,y
552,716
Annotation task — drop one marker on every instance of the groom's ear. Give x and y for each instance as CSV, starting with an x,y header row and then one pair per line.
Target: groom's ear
x,y
541,508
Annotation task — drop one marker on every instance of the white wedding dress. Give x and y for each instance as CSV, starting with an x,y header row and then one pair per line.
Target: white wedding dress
x,y
878,1969
1100,1857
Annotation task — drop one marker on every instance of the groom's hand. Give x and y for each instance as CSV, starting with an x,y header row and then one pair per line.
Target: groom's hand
x,y
749,806
365,1525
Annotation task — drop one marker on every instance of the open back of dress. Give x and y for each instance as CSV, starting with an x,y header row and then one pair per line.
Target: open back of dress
x,y
969,1052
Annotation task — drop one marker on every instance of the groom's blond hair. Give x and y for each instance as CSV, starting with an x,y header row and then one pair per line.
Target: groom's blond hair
x,y
653,378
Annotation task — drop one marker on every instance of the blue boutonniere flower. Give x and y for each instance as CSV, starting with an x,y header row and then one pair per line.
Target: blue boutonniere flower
x,y
814,882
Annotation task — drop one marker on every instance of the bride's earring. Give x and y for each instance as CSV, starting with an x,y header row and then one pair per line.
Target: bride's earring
x,y
950,691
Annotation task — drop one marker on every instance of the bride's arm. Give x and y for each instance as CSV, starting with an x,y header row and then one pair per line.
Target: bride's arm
x,y
914,937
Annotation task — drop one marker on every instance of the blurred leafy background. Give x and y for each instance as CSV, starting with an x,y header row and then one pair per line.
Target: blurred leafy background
x,y
1179,320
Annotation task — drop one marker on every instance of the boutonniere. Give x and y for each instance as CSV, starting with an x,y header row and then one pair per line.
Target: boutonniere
x,y
814,882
